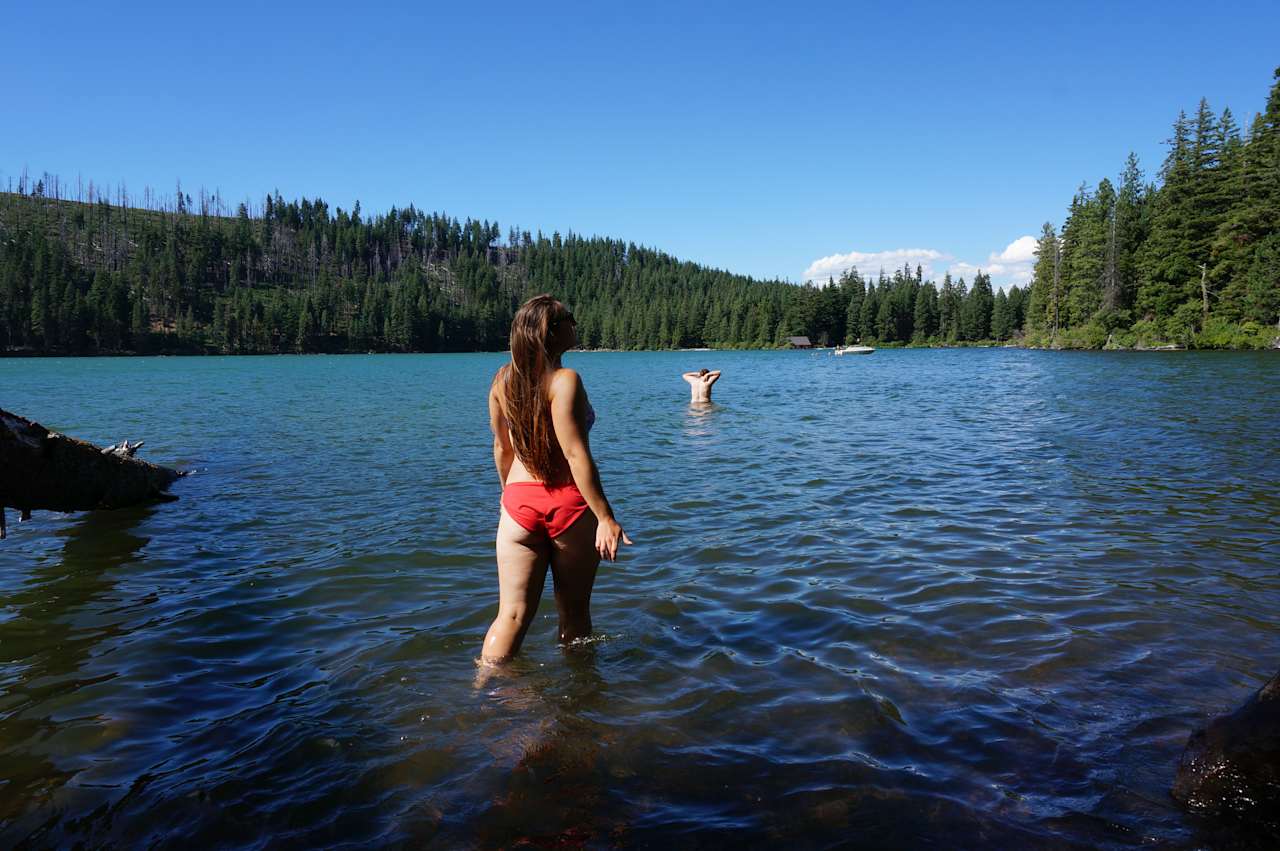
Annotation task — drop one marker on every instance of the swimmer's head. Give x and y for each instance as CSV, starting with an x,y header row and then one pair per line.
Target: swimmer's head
x,y
703,372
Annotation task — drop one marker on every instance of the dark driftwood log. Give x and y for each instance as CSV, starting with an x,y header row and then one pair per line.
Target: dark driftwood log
x,y
1232,766
44,470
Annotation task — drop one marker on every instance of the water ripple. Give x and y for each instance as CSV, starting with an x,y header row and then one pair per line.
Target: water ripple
x,y
963,598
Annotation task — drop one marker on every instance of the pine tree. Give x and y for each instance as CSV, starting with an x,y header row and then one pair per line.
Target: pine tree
x,y
868,313
1044,299
1252,186
140,325
1262,283
975,313
1209,189
1084,253
306,327
857,292
831,309
925,316
1128,230
41,317
886,328
1167,270
1017,309
948,311
1001,321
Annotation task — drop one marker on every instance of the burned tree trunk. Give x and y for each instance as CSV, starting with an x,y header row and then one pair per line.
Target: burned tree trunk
x,y
41,469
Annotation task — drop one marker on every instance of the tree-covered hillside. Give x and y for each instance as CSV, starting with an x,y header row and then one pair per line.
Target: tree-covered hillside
x,y
99,275
95,274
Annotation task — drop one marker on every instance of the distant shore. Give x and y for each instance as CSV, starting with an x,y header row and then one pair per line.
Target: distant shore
x,y
988,344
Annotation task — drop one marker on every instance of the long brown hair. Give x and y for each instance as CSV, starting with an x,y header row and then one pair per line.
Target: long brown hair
x,y
525,399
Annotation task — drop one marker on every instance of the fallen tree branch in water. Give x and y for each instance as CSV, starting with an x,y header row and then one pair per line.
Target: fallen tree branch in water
x,y
46,471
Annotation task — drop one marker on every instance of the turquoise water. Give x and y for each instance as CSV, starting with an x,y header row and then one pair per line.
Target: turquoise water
x,y
952,597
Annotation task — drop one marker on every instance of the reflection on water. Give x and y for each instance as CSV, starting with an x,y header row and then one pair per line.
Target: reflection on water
x,y
700,419
57,616
962,598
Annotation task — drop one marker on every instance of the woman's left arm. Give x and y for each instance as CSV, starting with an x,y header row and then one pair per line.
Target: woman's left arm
x,y
569,419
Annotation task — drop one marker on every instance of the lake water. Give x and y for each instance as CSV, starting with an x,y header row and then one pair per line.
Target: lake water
x,y
950,597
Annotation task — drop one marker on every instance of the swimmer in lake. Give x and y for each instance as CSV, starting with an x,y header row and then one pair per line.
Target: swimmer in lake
x,y
553,509
700,383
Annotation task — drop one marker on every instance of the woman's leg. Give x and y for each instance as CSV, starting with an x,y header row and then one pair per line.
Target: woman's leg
x,y
573,568
522,571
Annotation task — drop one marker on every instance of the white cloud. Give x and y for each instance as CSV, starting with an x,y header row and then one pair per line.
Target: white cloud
x,y
871,262
1021,250
1013,265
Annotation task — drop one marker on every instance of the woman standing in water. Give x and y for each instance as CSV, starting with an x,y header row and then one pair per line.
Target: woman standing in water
x,y
554,511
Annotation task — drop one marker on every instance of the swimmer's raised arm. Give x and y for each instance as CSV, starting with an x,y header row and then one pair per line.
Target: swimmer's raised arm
x,y
713,376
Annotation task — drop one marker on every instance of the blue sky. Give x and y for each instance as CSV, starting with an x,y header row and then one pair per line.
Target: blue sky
x,y
776,140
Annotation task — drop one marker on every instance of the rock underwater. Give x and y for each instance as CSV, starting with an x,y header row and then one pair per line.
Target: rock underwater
x,y
1231,768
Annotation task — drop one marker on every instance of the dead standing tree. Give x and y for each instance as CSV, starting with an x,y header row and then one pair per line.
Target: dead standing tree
x,y
44,470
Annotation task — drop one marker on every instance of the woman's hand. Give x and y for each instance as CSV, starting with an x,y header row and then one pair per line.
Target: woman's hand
x,y
608,532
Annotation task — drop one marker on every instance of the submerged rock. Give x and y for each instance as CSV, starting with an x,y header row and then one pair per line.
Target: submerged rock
x,y
1232,766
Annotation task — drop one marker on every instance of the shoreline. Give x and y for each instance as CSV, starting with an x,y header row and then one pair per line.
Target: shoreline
x,y
1165,348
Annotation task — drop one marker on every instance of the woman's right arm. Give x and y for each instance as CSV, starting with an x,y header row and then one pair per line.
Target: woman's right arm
x,y
504,454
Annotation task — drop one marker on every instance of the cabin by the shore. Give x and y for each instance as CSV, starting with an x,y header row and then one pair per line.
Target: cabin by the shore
x,y
799,343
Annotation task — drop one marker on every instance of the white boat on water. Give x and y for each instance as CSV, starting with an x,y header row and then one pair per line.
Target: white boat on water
x,y
853,350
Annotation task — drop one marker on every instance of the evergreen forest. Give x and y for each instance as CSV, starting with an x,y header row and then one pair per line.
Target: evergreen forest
x,y
1192,260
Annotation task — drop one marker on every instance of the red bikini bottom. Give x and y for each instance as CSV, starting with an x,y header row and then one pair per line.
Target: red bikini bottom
x,y
542,508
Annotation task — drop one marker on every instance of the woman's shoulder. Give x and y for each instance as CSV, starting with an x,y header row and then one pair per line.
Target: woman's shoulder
x,y
565,380
496,387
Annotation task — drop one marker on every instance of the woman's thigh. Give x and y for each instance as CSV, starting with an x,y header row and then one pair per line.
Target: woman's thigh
x,y
522,564
574,561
